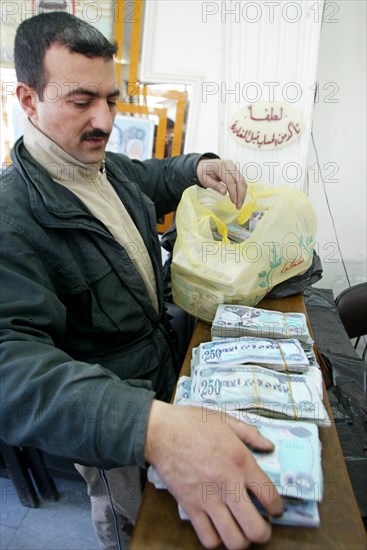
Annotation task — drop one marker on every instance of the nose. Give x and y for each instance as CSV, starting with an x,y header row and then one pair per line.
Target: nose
x,y
102,117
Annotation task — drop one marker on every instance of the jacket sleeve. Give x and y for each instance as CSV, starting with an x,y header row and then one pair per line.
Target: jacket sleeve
x,y
50,401
164,180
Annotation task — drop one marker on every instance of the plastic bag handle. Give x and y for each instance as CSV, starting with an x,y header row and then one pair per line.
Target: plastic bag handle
x,y
249,207
221,226
245,213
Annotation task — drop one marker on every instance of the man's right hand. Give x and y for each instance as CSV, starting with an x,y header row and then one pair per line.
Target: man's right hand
x,y
201,457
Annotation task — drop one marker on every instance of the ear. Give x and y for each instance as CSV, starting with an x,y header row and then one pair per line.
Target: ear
x,y
28,99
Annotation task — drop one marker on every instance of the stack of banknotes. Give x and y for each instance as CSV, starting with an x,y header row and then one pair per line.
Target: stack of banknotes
x,y
279,355
307,348
236,232
297,513
294,466
260,368
261,390
234,321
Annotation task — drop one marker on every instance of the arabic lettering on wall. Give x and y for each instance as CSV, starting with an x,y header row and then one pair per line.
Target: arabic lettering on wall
x,y
266,125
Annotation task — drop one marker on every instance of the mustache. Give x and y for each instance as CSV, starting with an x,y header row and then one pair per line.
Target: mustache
x,y
94,134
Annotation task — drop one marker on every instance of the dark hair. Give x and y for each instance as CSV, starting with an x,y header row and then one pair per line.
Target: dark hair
x,y
36,35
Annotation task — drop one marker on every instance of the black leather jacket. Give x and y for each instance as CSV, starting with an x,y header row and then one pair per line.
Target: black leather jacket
x,y
82,350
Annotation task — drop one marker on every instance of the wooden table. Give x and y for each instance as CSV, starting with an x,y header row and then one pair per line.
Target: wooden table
x,y
159,527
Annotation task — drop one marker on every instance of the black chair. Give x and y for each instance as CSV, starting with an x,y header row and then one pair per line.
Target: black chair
x,y
46,467
33,471
352,308
14,465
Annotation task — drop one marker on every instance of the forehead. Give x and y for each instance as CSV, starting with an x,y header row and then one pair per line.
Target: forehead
x,y
68,71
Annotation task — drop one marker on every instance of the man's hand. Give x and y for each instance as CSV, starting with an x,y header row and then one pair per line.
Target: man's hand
x,y
223,176
201,457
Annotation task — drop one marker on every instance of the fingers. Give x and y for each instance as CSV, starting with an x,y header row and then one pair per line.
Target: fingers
x,y
229,530
250,435
237,521
213,490
260,485
217,185
236,525
234,182
249,520
223,176
204,529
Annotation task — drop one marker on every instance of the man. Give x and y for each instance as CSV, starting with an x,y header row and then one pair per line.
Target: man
x,y
86,359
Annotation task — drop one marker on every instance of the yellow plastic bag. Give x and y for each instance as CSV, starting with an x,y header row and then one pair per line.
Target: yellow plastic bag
x,y
206,272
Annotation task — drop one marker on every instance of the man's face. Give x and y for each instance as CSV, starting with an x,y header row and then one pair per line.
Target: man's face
x,y
79,103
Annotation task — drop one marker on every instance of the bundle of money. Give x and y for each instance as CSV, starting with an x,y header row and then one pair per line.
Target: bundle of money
x,y
183,391
297,513
237,233
307,348
294,466
315,375
237,321
258,389
310,354
280,355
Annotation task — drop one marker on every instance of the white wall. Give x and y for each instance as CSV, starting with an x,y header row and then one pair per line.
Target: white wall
x,y
339,129
236,53
179,47
272,56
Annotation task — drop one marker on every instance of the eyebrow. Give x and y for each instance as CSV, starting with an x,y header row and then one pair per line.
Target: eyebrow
x,y
90,93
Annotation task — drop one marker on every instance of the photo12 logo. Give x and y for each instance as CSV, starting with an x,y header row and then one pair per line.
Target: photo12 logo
x,y
260,11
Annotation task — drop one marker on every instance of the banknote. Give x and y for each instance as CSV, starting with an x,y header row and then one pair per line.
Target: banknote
x,y
280,355
183,391
237,233
258,389
307,348
310,354
294,466
314,374
236,321
297,513
154,477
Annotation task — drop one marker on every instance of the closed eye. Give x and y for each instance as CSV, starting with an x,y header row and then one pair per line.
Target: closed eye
x,y
82,103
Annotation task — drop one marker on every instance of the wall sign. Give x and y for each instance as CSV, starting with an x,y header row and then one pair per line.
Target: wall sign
x,y
266,125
